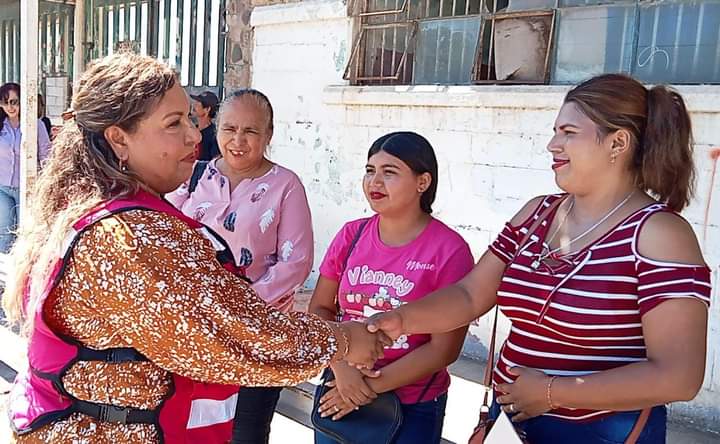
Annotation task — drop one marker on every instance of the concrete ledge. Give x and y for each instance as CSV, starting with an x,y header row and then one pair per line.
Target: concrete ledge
x,y
305,11
699,98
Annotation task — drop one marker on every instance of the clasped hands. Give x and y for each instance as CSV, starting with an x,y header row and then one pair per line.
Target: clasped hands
x,y
525,398
367,340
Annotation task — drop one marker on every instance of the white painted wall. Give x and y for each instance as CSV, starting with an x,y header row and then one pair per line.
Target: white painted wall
x,y
56,97
490,142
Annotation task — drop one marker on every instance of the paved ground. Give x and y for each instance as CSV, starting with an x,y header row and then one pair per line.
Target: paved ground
x,y
291,422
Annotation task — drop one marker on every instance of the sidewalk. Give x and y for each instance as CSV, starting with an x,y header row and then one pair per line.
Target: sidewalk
x,y
291,423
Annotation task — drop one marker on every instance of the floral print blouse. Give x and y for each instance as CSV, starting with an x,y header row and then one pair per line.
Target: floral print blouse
x,y
142,279
265,220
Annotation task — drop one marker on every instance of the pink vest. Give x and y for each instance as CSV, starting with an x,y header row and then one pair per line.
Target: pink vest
x,y
194,412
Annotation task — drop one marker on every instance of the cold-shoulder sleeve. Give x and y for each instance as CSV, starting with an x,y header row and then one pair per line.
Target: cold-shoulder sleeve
x,y
157,287
659,281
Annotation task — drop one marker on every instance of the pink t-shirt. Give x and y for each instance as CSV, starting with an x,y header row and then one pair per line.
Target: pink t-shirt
x,y
265,221
379,278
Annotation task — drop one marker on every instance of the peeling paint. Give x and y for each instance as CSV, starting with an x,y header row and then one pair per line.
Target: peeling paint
x,y
714,155
340,57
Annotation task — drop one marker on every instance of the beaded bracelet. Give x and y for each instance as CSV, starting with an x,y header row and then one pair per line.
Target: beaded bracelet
x,y
549,392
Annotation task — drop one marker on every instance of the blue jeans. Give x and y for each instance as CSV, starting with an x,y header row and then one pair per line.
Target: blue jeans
x,y
612,429
253,414
422,423
9,201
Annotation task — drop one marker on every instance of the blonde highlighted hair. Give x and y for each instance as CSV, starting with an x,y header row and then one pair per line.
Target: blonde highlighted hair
x,y
82,170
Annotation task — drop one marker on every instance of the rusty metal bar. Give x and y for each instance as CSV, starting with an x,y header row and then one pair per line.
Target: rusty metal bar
x,y
353,54
549,47
386,12
521,14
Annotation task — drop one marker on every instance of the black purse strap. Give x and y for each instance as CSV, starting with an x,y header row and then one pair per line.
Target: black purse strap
x,y
427,386
354,242
197,173
490,365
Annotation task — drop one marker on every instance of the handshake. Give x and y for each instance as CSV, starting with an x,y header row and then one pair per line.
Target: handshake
x,y
367,340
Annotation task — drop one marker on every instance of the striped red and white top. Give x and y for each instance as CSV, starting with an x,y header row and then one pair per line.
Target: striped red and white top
x,y
584,316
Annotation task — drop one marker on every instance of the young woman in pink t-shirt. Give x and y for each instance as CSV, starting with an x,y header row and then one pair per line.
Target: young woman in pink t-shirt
x,y
400,254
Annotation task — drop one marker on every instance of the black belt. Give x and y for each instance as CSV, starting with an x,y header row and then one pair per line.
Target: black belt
x,y
112,413
120,354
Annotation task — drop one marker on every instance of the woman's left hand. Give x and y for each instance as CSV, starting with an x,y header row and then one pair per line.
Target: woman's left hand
x,y
333,404
527,396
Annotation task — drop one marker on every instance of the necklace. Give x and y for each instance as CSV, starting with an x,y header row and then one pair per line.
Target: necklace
x,y
547,252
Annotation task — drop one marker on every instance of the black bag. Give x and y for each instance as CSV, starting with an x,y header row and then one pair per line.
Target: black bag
x,y
375,423
197,173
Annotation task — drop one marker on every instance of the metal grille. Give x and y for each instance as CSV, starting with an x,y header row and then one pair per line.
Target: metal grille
x,y
523,41
385,48
187,34
55,25
10,43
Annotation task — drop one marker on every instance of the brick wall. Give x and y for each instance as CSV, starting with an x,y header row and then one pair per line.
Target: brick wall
x,y
490,143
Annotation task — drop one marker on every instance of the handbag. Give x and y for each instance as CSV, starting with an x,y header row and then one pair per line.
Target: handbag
x,y
485,423
374,423
377,422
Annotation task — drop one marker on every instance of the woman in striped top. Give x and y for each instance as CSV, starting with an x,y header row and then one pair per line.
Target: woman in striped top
x,y
608,295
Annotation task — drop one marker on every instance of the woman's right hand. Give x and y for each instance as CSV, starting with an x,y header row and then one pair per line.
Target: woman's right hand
x,y
351,384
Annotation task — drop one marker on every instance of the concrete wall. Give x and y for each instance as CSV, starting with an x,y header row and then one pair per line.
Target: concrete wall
x,y
56,97
490,143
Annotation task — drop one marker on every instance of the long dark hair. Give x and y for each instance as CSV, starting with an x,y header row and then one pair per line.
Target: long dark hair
x,y
660,127
5,94
417,153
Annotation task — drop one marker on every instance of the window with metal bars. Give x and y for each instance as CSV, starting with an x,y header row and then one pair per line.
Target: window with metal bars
x,y
55,27
533,41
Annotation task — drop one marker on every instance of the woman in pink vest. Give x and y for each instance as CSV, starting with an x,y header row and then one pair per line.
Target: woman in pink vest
x,y
140,329
260,209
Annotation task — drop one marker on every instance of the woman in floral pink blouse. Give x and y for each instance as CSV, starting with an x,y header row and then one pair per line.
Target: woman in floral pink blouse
x,y
261,210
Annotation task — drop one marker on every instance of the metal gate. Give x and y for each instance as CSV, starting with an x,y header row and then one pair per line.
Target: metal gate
x,y
186,34
55,28
9,41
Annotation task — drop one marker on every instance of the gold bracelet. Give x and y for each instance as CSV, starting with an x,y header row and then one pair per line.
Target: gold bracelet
x,y
549,392
345,338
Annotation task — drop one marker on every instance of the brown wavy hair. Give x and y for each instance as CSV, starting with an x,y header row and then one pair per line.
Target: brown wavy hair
x,y
82,170
659,124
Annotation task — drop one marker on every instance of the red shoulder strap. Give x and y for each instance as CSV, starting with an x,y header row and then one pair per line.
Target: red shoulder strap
x,y
141,200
